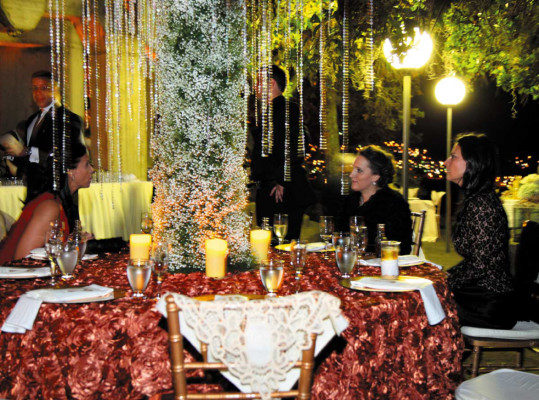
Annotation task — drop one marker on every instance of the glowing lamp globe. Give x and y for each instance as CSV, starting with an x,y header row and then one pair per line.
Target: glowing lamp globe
x,y
421,46
450,91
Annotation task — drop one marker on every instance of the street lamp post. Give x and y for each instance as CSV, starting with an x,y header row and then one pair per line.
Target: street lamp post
x,y
420,49
449,91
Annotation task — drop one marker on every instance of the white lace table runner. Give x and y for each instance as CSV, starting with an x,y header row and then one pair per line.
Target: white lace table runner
x,y
259,340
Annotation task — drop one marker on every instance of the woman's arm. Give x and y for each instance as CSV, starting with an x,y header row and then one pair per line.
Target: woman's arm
x,y
33,235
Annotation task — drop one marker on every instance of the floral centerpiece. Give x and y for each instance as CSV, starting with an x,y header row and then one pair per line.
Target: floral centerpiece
x,y
528,189
199,143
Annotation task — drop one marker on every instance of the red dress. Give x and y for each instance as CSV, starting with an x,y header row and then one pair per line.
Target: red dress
x,y
7,247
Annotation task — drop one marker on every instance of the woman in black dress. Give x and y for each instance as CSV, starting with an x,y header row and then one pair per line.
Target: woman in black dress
x,y
373,171
481,282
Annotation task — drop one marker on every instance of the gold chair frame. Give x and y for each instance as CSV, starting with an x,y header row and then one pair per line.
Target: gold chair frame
x,y
418,223
179,366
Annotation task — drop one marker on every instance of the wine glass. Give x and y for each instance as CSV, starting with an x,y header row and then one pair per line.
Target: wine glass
x,y
326,226
160,263
146,222
360,239
298,256
67,259
280,226
138,275
340,239
356,222
53,247
271,275
346,259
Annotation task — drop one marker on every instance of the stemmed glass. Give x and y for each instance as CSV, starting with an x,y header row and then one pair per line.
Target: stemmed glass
x,y
67,259
346,259
53,246
271,275
356,222
138,275
298,256
160,263
280,226
340,239
146,222
327,226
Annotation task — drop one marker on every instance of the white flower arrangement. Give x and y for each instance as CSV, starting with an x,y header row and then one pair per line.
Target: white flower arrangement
x,y
200,144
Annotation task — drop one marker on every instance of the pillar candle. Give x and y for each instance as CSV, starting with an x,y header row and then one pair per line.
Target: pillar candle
x,y
260,243
216,252
139,246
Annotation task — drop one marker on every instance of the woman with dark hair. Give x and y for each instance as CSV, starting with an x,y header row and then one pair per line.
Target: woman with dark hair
x,y
373,171
29,231
481,282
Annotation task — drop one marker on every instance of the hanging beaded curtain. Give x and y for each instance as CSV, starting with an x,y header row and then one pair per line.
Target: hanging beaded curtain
x,y
369,79
322,72
60,151
345,183
299,71
118,64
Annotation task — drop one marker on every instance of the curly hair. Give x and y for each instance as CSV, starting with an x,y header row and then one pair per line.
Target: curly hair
x,y
480,156
381,163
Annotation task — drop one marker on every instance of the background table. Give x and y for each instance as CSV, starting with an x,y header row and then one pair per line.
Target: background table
x,y
119,349
430,230
106,209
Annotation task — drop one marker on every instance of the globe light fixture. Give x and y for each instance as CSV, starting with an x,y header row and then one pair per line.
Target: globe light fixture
x,y
419,50
449,91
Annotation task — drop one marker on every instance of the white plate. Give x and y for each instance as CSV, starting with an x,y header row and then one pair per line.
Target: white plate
x,y
347,283
87,294
24,273
39,257
404,261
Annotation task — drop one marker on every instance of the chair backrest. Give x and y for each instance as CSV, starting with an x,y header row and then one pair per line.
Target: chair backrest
x,y
238,338
436,198
527,269
418,223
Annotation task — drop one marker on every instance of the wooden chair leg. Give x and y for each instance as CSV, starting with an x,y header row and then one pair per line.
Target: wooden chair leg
x,y
520,358
476,354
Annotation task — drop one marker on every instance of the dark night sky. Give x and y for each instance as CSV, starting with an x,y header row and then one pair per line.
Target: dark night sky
x,y
488,110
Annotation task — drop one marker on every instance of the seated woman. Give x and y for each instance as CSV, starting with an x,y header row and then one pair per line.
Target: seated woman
x,y
29,231
481,282
373,171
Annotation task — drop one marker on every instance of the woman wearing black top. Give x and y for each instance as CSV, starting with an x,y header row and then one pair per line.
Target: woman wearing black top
x,y
481,282
373,171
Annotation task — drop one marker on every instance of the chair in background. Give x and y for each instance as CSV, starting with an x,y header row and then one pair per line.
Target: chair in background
x,y
244,340
418,223
436,198
525,334
502,384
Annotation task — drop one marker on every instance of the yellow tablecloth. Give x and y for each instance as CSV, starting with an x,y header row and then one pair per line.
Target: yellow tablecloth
x,y
107,210
430,230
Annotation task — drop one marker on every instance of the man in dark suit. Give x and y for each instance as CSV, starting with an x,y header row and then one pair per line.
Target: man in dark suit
x,y
273,193
38,131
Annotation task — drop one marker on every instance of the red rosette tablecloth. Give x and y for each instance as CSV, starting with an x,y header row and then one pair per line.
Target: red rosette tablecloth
x,y
119,350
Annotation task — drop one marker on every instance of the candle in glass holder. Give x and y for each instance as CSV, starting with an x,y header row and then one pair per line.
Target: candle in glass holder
x,y
260,243
139,246
216,252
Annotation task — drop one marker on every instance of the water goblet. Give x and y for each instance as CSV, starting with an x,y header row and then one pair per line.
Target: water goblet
x,y
67,259
53,247
340,239
146,222
326,226
271,275
298,256
346,259
360,239
160,263
280,226
138,275
356,222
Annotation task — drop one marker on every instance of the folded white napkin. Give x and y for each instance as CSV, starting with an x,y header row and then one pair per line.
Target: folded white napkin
x,y
433,307
317,246
24,313
21,273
